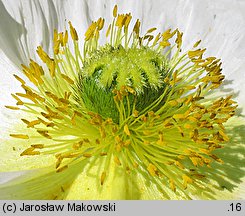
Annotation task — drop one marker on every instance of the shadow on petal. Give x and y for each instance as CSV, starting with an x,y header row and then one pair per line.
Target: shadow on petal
x,y
223,179
10,36
228,176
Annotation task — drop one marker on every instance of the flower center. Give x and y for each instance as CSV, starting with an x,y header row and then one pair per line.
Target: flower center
x,y
143,70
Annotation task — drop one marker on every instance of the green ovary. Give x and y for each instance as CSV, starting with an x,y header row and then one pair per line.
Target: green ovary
x,y
110,68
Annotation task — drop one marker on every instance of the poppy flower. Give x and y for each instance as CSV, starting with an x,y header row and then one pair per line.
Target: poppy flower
x,y
121,110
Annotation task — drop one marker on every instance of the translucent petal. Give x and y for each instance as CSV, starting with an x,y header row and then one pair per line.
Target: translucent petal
x,y
39,184
10,149
118,184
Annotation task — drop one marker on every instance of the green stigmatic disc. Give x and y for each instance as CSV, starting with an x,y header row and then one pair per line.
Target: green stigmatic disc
x,y
109,68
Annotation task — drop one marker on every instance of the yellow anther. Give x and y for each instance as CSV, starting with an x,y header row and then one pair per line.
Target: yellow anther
x,y
188,126
181,157
36,96
87,155
26,88
147,132
164,44
90,31
12,107
69,155
64,101
19,79
78,113
160,141
33,123
62,109
86,140
175,77
58,162
197,115
173,103
56,48
102,178
151,114
178,40
187,180
196,44
127,143
225,137
73,119
190,87
51,66
152,169
178,164
136,28
127,20
118,147
62,169
121,18
20,136
102,132
179,116
135,165
108,31
38,146
44,133
43,55
61,36
172,185
55,35
67,78
117,161
205,151
65,38
195,161
151,30
73,32
56,42
118,139
32,78
25,121
126,130
100,23
115,11
27,96
131,90
67,95
156,39
196,53
144,118
211,58
30,151
135,113
168,125
167,34
78,145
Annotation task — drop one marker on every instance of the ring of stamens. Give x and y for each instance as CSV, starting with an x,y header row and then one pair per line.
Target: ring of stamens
x,y
170,135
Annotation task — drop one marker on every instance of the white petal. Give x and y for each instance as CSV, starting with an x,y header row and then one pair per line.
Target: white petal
x,y
8,176
38,184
